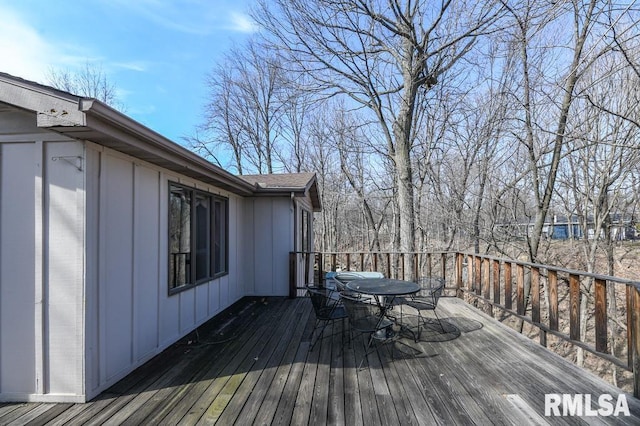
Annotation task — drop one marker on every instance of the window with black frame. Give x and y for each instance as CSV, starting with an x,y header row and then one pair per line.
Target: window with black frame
x,y
197,236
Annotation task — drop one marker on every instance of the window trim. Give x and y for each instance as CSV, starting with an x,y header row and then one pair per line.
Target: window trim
x,y
212,275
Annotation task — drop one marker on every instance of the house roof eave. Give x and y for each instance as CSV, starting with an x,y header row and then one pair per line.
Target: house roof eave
x,y
111,128
301,184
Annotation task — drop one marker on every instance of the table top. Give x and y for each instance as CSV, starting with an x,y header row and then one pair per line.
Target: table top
x,y
383,286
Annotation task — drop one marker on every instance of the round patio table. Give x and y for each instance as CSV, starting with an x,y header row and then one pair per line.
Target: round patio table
x,y
385,290
383,287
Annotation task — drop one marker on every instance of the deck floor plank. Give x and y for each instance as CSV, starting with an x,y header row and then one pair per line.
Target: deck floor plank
x,y
483,373
221,347
247,399
352,403
271,399
236,394
336,408
225,370
368,404
304,396
21,412
7,408
54,411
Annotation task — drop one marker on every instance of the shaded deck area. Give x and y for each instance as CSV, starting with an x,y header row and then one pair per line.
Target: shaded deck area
x,y
252,365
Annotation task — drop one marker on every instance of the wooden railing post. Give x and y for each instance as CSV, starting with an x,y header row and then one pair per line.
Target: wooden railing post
x,y
319,259
333,261
470,275
630,294
496,281
535,295
293,274
552,283
362,261
520,289
535,304
388,265
348,261
375,262
601,315
635,324
574,307
443,266
508,285
486,285
478,281
459,266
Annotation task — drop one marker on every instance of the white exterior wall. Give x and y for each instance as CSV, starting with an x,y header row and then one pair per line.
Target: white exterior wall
x,y
41,262
268,239
83,263
130,315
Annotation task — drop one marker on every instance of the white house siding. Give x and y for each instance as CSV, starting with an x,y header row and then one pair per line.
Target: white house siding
x,y
269,239
41,262
130,316
83,262
63,249
17,275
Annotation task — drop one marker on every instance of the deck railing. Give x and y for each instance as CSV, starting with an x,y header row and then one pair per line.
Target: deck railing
x,y
498,286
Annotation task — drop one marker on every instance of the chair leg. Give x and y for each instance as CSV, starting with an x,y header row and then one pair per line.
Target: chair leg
x,y
424,320
439,321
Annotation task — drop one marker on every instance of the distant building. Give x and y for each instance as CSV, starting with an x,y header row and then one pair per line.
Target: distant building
x,y
623,227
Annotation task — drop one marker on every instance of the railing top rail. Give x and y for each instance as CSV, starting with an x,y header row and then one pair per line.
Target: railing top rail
x,y
560,269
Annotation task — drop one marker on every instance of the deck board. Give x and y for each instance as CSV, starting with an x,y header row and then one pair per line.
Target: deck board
x,y
254,366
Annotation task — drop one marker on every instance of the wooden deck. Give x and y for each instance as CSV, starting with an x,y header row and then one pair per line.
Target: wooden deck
x,y
251,365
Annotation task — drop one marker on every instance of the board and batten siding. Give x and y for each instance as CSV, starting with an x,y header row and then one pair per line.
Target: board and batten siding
x,y
84,262
268,239
41,262
134,317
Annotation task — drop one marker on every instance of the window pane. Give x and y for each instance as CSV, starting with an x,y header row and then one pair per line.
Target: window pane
x,y
203,237
179,236
220,236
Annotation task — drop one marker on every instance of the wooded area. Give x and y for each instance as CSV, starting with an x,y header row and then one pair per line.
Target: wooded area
x,y
437,126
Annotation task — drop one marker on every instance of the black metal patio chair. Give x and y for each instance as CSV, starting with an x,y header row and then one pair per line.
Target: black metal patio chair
x,y
326,309
366,318
426,299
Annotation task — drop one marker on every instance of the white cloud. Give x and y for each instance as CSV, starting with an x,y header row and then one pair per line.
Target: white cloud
x,y
27,53
139,66
241,22
199,17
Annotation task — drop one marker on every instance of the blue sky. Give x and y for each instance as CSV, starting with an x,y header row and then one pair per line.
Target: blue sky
x,y
156,52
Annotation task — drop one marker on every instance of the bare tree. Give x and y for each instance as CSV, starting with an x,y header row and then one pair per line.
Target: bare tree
x,y
222,129
245,109
383,56
599,173
297,111
91,82
544,157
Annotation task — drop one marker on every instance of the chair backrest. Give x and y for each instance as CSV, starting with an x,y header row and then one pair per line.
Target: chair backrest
x,y
431,289
323,305
363,317
342,278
